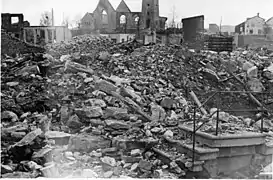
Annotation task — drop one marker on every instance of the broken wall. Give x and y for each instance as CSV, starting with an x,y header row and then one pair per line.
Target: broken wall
x,y
11,46
131,25
111,16
16,28
193,27
150,11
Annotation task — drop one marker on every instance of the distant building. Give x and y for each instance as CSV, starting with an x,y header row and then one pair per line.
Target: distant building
x,y
254,25
214,28
106,19
240,28
42,35
227,29
268,28
269,22
88,21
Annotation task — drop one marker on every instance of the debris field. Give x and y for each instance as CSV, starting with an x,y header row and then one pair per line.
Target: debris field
x,y
93,108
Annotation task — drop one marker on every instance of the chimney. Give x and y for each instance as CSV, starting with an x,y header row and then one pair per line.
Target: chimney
x,y
258,14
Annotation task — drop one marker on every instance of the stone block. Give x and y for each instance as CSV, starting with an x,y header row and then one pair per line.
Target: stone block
x,y
130,159
116,113
226,165
230,140
145,165
87,143
265,149
60,138
89,112
105,86
236,151
201,153
74,122
167,103
116,124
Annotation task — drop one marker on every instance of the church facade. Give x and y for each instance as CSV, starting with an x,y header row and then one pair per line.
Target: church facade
x,y
106,19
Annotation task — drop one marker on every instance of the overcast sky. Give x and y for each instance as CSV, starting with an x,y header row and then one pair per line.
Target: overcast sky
x,y
233,12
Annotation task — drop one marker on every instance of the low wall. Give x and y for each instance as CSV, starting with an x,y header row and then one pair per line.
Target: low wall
x,y
79,32
255,41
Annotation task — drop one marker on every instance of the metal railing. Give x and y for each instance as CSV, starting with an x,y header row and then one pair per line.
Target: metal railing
x,y
195,108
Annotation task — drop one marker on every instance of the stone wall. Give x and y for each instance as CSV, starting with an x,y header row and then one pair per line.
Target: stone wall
x,y
191,27
111,14
254,41
12,46
130,24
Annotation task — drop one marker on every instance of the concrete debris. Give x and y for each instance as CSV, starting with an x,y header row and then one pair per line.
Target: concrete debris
x,y
93,108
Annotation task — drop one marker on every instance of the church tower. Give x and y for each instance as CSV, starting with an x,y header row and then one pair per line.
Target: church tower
x,y
150,11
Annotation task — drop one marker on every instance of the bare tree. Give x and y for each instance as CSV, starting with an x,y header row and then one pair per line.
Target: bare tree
x,y
77,21
67,22
46,19
172,23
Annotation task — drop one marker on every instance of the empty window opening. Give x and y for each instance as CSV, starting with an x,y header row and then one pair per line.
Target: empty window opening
x,y
136,20
14,20
122,19
42,33
114,40
147,23
104,17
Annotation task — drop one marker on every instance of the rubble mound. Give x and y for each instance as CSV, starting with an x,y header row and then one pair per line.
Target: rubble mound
x,y
92,108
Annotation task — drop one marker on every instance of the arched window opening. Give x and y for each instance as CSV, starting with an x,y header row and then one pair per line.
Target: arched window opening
x,y
136,20
122,19
104,17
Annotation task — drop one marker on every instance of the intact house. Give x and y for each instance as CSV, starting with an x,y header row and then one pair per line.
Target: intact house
x,y
87,22
252,26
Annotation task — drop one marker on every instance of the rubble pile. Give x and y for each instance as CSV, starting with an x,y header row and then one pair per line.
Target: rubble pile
x,y
89,44
91,108
12,46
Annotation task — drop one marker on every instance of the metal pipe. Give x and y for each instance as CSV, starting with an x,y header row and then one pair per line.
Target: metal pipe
x,y
262,122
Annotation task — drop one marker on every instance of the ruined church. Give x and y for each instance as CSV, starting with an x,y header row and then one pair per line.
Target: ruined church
x,y
106,19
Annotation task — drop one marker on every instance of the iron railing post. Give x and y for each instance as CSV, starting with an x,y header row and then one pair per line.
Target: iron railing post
x,y
193,136
262,120
217,117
